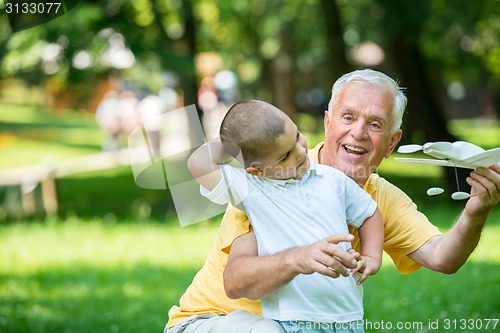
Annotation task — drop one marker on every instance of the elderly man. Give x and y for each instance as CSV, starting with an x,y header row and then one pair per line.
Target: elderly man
x,y
362,126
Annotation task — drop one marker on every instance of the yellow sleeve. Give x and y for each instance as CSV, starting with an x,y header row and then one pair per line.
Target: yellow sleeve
x,y
406,229
234,224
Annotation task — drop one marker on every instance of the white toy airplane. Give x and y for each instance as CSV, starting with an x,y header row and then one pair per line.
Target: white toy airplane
x,y
458,154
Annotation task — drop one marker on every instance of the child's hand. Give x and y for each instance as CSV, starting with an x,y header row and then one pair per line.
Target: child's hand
x,y
360,269
366,266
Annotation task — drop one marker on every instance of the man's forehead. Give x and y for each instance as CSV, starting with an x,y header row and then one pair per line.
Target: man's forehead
x,y
370,98
372,113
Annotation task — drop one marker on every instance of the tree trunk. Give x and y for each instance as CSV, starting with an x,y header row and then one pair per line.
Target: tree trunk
x,y
425,118
190,84
336,62
282,83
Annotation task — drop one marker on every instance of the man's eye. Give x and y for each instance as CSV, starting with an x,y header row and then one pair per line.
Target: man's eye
x,y
348,118
376,126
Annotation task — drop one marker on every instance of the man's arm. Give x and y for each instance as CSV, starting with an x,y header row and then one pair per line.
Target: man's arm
x,y
254,277
449,252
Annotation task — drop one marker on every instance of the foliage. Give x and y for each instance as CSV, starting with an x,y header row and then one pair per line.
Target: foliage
x,y
459,38
90,41
280,50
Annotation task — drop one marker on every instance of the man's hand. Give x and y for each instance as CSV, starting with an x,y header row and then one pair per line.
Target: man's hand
x,y
254,277
485,191
324,257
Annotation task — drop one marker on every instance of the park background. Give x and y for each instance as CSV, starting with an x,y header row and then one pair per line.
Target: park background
x,y
103,254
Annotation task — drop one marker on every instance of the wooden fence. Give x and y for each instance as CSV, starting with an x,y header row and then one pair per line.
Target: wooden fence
x,y
45,174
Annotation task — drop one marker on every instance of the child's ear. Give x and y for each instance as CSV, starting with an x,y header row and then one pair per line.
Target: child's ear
x,y
253,170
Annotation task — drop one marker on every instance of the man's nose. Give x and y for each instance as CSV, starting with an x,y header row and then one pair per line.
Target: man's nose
x,y
358,130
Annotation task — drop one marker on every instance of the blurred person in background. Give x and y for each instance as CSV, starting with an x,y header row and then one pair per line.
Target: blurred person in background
x,y
127,112
108,118
150,110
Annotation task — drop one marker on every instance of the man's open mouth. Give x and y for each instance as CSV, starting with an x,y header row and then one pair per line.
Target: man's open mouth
x,y
354,150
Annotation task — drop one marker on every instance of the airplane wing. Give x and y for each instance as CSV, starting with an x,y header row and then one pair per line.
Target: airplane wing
x,y
429,161
484,159
456,151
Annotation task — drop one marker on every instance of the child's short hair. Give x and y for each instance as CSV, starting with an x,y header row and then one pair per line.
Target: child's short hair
x,y
253,126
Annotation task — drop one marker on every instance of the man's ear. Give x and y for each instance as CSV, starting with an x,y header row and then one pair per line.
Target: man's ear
x,y
253,170
394,141
326,121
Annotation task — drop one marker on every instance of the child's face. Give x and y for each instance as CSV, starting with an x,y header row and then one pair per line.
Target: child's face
x,y
288,159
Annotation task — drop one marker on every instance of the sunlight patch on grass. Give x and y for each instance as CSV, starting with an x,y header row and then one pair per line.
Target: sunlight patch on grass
x,y
483,252
484,133
390,165
28,135
27,152
487,249
29,248
18,114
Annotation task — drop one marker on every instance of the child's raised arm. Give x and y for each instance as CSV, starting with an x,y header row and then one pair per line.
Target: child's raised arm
x,y
204,163
371,236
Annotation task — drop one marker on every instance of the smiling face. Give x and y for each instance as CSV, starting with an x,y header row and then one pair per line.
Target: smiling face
x,y
358,131
286,159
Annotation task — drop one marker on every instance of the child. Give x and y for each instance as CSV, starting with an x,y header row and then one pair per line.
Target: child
x,y
292,201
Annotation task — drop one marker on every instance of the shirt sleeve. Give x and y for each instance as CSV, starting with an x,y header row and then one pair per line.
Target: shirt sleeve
x,y
232,188
234,224
359,204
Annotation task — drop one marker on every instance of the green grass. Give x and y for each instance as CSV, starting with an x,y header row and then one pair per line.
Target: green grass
x,y
95,276
484,133
30,135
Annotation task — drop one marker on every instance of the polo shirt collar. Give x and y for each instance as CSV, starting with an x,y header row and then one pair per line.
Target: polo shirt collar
x,y
291,181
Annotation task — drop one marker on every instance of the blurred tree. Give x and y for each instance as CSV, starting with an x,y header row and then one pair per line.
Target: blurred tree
x,y
285,52
442,51
430,47
464,43
141,39
336,50
402,26
288,53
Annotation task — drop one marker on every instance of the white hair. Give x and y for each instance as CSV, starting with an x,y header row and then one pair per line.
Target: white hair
x,y
379,79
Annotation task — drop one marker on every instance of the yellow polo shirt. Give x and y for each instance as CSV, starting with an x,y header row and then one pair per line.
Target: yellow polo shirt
x,y
406,229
